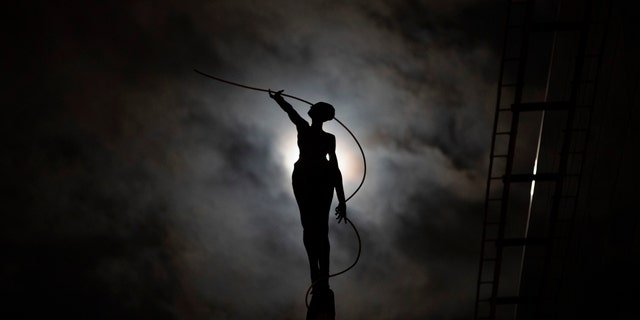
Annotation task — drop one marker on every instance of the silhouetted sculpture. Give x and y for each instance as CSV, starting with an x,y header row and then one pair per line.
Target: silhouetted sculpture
x,y
314,179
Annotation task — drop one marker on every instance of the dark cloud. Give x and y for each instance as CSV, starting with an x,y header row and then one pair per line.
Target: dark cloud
x,y
136,188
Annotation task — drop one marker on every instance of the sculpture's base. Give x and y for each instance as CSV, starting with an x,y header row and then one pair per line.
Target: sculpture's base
x,y
322,306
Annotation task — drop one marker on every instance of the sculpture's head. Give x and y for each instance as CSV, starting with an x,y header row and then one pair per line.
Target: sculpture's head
x,y
322,111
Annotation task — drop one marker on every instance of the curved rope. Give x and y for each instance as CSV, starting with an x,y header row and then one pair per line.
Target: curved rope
x,y
364,158
248,87
364,173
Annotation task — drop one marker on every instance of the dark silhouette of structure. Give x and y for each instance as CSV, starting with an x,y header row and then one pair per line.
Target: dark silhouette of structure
x,y
559,241
315,176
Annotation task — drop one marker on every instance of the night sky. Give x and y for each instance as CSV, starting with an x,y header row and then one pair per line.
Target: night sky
x,y
134,188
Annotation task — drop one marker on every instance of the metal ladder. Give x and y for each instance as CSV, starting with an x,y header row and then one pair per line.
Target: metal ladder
x,y
536,299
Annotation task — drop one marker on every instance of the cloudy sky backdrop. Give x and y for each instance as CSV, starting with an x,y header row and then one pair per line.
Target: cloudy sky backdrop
x,y
137,188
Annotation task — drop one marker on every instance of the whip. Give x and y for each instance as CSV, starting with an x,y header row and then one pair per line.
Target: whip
x,y
364,173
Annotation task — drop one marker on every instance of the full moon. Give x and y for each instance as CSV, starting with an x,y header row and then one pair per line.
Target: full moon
x,y
348,160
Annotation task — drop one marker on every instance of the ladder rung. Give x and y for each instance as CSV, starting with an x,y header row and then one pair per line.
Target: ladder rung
x,y
549,26
577,130
539,106
565,197
501,133
528,177
518,242
514,300
555,26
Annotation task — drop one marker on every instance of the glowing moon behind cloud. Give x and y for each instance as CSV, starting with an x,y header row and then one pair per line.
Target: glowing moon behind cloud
x,y
348,160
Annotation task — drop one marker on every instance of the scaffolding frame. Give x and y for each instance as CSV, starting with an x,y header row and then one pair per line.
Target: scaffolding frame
x,y
513,282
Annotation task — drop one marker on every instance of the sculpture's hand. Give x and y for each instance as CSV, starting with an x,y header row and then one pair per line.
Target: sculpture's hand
x,y
275,95
341,212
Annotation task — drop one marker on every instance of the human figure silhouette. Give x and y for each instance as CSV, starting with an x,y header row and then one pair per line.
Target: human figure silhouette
x,y
314,179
